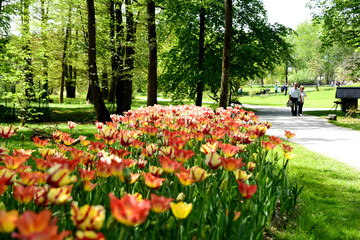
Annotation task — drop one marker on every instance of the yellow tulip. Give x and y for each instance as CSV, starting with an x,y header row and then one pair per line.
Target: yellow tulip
x,y
181,210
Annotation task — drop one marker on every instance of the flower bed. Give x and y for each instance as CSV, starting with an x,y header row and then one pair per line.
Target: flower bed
x,y
178,172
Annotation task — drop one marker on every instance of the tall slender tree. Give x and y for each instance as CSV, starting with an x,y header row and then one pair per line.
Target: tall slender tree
x,y
152,65
64,64
200,84
102,113
225,74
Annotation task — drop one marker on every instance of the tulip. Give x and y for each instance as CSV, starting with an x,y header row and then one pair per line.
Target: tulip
x,y
33,225
89,235
129,210
71,124
275,140
60,196
231,164
183,155
29,178
198,174
289,155
229,150
89,186
86,175
41,164
40,196
286,148
103,170
160,204
242,175
251,166
246,190
181,210
184,178
39,142
24,194
8,133
268,145
3,152
83,141
212,160
59,176
156,171
87,217
151,181
8,220
289,134
168,165
109,135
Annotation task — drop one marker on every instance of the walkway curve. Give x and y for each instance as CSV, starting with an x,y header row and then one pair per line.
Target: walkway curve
x,y
315,133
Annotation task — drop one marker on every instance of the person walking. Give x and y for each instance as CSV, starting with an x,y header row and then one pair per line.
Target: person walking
x,y
285,88
302,99
294,95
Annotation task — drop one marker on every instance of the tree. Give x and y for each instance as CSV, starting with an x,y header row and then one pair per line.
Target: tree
x,y
340,21
152,65
102,113
226,55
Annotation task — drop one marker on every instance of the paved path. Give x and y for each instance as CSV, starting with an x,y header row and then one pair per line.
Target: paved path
x,y
315,133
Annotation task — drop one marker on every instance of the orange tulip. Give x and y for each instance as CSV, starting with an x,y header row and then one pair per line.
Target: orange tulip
x,y
89,186
184,178
231,164
160,204
29,178
151,181
246,190
3,186
8,220
275,140
33,226
3,152
41,164
169,165
24,194
289,134
137,144
86,175
57,136
286,148
39,142
40,196
8,175
183,155
268,145
103,169
229,150
109,135
129,210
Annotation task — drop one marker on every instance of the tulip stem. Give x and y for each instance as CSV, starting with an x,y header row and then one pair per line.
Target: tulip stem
x,y
123,233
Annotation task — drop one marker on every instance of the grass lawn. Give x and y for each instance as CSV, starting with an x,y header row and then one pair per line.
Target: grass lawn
x,y
329,207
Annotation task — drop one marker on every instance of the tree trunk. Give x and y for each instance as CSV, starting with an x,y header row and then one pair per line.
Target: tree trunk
x,y
65,72
111,93
104,84
124,88
44,38
286,73
28,71
102,113
225,73
200,84
152,66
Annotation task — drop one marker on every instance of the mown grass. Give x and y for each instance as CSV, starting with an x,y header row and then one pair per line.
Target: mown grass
x,y
329,206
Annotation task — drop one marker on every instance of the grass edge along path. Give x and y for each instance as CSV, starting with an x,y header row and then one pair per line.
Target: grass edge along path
x,y
329,206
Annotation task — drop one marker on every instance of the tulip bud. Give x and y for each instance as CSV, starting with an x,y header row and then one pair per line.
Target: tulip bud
x,y
170,223
126,175
205,232
181,197
223,185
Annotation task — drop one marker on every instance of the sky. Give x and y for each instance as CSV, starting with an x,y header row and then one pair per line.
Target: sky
x,y
289,13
